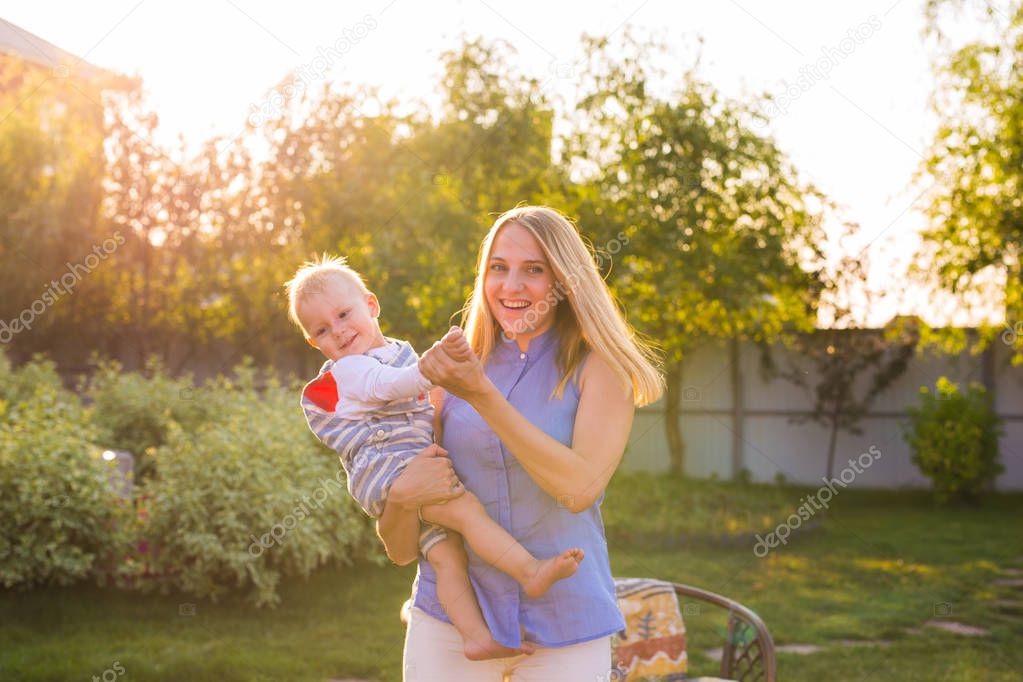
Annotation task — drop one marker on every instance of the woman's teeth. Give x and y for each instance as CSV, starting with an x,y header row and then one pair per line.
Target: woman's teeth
x,y
515,304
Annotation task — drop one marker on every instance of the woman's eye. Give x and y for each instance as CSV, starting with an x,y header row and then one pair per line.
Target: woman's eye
x,y
536,270
497,267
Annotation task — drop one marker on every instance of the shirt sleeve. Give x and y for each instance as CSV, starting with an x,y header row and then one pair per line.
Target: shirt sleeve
x,y
367,380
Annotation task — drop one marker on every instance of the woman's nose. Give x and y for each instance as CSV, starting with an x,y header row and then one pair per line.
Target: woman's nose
x,y
512,282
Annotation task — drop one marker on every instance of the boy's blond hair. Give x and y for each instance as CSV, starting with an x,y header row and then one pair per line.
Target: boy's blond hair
x,y
314,277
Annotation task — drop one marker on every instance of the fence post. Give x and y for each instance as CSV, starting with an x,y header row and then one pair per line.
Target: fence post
x,y
737,407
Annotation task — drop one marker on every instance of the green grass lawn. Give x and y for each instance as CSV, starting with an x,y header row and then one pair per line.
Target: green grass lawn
x,y
878,564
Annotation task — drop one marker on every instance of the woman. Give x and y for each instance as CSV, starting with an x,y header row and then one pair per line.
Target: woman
x,y
534,428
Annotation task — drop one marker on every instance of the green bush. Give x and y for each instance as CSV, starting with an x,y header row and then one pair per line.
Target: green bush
x,y
249,498
21,384
61,520
954,438
133,411
240,496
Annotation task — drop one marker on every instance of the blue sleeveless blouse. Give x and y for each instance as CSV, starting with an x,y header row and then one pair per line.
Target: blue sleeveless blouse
x,y
577,609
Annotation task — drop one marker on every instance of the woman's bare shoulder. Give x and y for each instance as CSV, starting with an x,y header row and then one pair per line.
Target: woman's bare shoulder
x,y
598,377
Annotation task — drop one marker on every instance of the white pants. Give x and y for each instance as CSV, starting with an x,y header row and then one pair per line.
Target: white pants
x,y
433,653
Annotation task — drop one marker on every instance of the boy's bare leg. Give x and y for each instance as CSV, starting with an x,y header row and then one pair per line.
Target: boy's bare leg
x,y
459,601
498,548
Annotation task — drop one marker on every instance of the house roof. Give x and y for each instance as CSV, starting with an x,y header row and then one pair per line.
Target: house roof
x,y
30,47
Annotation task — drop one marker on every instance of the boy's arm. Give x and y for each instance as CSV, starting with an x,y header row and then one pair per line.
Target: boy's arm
x,y
365,379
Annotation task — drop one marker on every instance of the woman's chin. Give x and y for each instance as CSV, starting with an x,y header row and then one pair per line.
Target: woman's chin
x,y
513,327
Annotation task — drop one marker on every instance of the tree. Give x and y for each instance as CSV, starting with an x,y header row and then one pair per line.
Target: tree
x,y
51,169
716,219
853,365
408,196
975,163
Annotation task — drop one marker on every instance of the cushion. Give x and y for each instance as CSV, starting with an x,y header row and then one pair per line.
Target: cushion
x,y
653,644
652,647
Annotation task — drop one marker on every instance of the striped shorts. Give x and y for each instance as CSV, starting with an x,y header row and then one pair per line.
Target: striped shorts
x,y
380,449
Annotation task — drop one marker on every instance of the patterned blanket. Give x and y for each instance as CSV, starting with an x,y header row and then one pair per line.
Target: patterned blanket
x,y
653,645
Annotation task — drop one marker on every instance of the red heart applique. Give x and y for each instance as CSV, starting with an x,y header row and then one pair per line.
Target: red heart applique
x,y
322,392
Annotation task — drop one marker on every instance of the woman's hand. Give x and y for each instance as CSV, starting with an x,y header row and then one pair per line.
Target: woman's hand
x,y
451,364
429,478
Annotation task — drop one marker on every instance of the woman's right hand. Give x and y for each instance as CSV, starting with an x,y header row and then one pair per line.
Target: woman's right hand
x,y
429,478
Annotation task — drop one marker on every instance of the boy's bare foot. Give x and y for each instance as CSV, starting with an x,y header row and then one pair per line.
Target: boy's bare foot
x,y
479,649
552,570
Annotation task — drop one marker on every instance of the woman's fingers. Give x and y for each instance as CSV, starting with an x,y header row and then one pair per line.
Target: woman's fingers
x,y
433,450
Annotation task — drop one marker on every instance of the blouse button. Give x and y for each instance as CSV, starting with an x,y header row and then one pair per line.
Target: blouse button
x,y
380,433
522,356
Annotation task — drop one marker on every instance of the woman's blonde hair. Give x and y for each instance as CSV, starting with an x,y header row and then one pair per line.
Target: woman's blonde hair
x,y
592,320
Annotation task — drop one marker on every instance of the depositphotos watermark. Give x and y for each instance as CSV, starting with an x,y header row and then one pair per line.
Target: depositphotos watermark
x,y
811,504
308,74
820,69
1012,333
301,511
57,288
110,674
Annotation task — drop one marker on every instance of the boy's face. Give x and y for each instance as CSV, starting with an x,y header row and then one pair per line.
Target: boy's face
x,y
342,320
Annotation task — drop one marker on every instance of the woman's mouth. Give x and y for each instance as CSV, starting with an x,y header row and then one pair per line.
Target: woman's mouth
x,y
515,303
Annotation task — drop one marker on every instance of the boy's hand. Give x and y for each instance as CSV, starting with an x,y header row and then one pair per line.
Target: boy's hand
x,y
456,345
451,364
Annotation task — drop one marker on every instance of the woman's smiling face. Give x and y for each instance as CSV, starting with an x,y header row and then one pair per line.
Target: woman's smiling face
x,y
519,284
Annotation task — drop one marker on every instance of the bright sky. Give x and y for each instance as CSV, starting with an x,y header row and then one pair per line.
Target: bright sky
x,y
854,120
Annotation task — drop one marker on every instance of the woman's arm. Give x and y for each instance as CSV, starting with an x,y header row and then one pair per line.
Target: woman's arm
x,y
574,475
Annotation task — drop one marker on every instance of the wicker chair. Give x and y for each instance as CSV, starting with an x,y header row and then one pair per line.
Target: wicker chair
x,y
748,654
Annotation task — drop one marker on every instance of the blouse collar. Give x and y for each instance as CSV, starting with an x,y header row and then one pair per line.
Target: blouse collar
x,y
538,345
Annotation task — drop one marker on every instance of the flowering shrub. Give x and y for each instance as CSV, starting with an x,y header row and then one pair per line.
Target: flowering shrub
x,y
133,411
62,521
954,438
240,495
249,498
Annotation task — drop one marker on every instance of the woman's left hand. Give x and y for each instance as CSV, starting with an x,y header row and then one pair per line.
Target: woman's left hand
x,y
451,364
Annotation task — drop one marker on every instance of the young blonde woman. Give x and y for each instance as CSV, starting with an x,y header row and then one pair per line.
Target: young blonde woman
x,y
535,428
